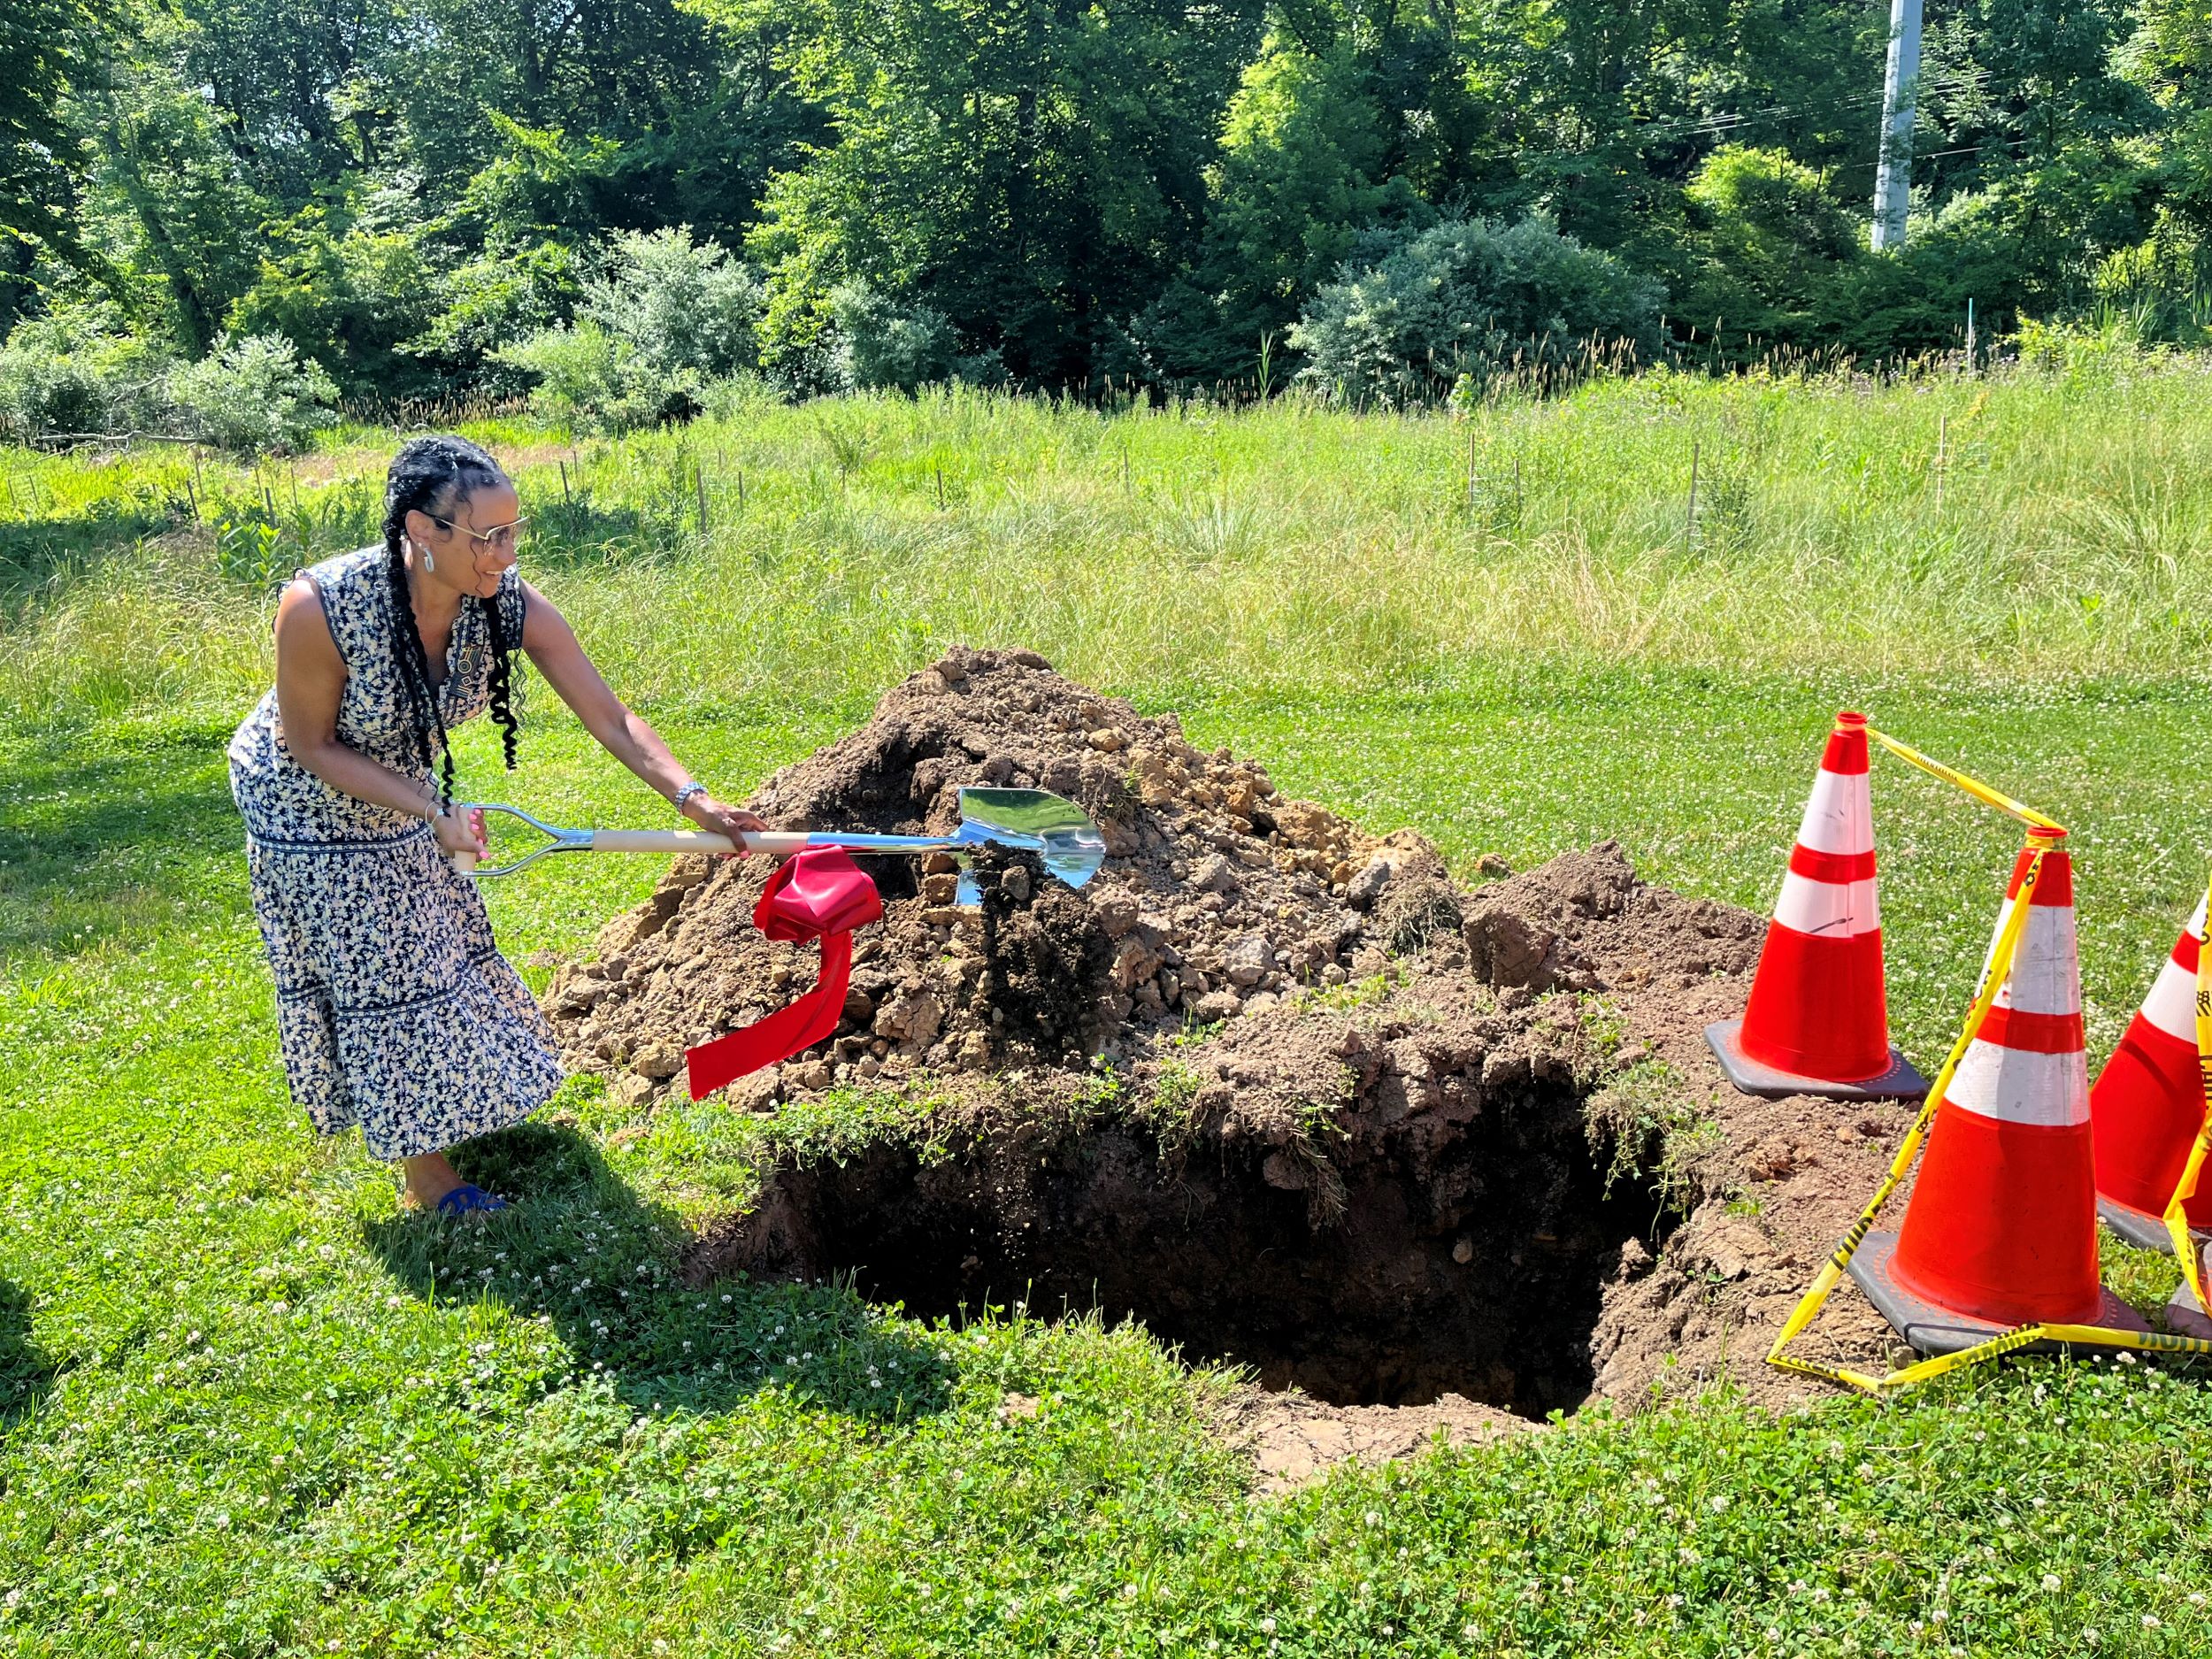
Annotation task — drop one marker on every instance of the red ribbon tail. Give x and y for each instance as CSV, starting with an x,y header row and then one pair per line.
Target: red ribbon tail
x,y
712,1066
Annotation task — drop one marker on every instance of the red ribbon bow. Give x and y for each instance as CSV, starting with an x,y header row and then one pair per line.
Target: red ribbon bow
x,y
817,893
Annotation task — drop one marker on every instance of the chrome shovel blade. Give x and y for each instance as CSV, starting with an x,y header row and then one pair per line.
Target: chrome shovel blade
x,y
1071,846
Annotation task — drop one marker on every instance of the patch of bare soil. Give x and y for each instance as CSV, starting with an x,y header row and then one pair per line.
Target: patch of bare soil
x,y
1294,1439
1282,1089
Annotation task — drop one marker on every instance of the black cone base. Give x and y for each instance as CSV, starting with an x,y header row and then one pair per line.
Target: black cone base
x,y
2139,1228
1753,1077
1930,1329
2184,1318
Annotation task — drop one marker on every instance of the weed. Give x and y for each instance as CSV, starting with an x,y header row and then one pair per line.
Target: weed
x,y
1656,1130
1361,992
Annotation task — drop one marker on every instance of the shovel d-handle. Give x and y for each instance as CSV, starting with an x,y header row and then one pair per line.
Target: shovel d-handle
x,y
773,842
463,863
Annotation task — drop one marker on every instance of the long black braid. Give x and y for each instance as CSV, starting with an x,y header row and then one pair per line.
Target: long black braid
x,y
433,476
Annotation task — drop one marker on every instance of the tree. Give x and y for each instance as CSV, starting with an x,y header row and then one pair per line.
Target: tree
x,y
167,196
49,50
1304,169
1035,172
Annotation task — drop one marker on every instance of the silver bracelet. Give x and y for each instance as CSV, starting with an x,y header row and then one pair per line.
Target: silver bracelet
x,y
686,791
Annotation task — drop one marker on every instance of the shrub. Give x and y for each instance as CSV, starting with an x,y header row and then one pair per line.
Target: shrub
x,y
593,379
669,315
61,375
512,295
1405,321
253,395
1764,250
880,346
348,301
681,304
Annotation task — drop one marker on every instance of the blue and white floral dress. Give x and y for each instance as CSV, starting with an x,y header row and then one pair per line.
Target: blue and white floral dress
x,y
395,1009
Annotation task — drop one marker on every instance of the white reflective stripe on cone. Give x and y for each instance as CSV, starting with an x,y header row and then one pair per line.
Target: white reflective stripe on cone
x,y
2046,978
1827,910
2004,915
2015,1086
2172,1004
1840,814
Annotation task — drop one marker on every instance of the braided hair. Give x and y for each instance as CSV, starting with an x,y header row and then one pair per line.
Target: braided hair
x,y
428,475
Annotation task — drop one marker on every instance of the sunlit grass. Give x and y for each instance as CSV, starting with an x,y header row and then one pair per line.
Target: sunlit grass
x,y
246,1409
1963,529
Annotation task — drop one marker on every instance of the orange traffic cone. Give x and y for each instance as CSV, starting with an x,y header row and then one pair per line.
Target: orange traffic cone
x,y
2148,1104
1818,1022
2001,1230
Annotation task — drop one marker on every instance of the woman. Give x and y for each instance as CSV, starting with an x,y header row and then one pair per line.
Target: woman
x,y
395,1009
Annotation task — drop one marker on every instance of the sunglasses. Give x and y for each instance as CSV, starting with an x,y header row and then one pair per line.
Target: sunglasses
x,y
499,538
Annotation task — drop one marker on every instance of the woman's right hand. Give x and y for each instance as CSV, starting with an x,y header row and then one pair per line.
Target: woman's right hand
x,y
459,830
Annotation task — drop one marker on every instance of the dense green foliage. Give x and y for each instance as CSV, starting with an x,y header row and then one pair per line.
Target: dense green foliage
x,y
248,1409
430,196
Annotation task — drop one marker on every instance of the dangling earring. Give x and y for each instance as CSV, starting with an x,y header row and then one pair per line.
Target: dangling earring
x,y
422,552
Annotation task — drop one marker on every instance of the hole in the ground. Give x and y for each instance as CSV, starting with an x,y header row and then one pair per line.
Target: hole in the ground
x,y
1473,1262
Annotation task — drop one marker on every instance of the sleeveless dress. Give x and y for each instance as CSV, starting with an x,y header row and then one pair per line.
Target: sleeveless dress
x,y
395,1009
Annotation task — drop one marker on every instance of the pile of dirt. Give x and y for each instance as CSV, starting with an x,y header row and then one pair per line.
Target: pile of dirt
x,y
1217,896
1282,1089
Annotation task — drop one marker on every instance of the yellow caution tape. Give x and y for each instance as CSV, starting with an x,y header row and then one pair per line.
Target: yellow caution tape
x,y
1831,1271
2185,1188
1980,791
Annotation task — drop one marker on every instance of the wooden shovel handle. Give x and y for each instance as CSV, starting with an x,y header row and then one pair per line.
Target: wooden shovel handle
x,y
774,841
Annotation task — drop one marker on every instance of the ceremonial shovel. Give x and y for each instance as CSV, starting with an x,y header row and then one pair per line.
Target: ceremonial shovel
x,y
1027,820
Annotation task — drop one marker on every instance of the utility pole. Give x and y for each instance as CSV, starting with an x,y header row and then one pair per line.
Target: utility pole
x,y
1892,185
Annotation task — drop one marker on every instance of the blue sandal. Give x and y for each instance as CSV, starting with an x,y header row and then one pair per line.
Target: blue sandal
x,y
468,1199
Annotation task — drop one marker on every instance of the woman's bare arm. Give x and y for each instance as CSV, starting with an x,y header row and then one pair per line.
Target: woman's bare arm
x,y
309,677
553,646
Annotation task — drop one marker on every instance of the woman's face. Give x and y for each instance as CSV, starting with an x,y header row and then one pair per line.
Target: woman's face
x,y
474,541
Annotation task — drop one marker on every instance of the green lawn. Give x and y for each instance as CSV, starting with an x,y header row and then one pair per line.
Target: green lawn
x,y
249,1410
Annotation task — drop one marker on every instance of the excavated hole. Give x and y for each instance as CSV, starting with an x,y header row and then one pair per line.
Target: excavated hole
x,y
1375,1306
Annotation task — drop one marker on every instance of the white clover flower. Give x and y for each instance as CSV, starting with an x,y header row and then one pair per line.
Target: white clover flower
x,y
2050,1581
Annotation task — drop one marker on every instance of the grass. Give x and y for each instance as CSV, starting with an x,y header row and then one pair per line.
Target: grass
x,y
1194,550
246,1409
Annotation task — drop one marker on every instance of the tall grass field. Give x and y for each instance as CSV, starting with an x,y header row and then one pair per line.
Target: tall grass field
x,y
249,1408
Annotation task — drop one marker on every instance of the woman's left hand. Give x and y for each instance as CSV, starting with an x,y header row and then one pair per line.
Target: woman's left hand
x,y
732,821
